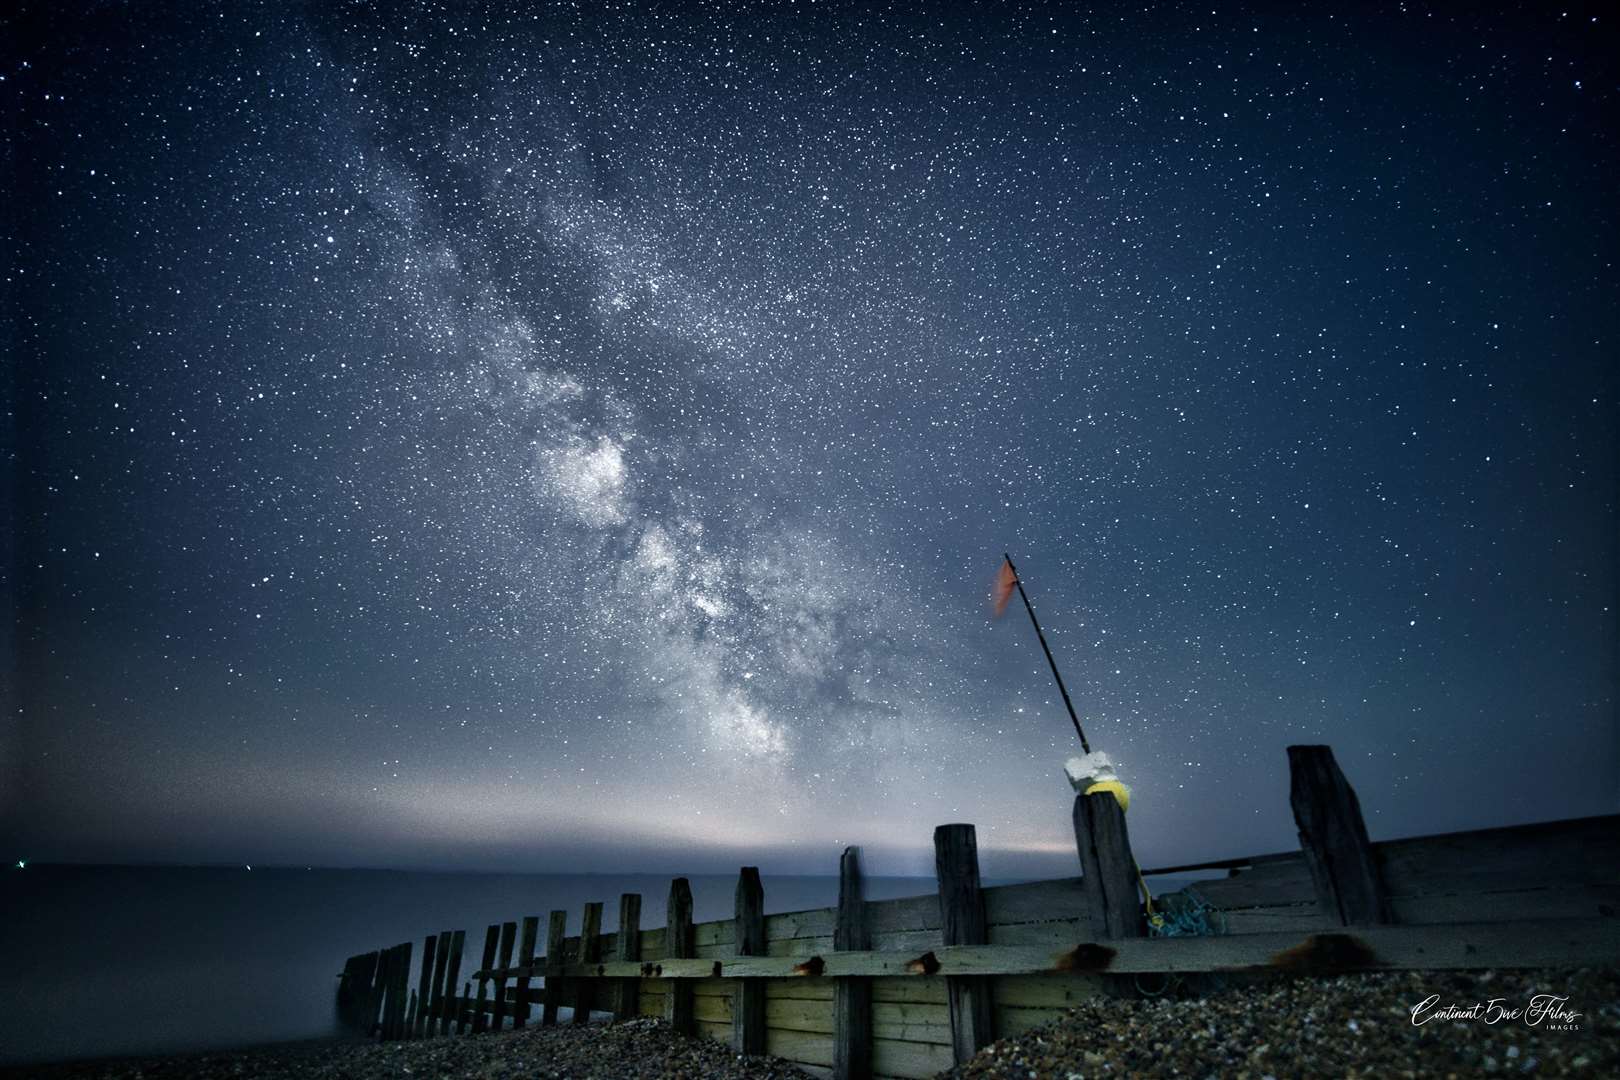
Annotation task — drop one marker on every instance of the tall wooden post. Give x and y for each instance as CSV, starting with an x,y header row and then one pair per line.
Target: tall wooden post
x,y
492,938
520,996
679,944
441,966
1108,867
555,935
424,986
627,946
401,984
748,1009
590,952
1333,837
961,914
508,940
852,995
457,1012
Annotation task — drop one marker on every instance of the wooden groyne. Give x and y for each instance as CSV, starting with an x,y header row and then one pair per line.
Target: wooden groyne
x,y
907,987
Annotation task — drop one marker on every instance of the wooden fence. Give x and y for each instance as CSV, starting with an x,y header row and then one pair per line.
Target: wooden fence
x,y
906,988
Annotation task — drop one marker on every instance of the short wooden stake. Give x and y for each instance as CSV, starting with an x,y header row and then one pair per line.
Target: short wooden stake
x,y
1333,837
852,996
679,944
520,996
590,952
1107,867
962,922
627,946
556,932
748,1009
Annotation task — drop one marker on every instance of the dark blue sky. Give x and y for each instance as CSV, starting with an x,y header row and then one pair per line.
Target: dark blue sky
x,y
584,439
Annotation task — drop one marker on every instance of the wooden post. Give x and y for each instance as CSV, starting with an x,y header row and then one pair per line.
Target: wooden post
x,y
852,996
962,922
1107,866
492,937
748,1009
590,952
520,996
441,967
351,990
464,1008
627,946
508,940
679,945
401,989
555,934
410,1016
1333,837
458,941
424,985
370,998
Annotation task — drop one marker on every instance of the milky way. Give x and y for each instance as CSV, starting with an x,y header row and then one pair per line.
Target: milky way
x,y
585,438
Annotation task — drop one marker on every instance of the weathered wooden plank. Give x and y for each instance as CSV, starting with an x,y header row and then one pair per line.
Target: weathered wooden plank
x,y
1573,902
424,986
590,955
443,988
1012,1021
458,941
748,1018
1109,868
852,997
1578,852
961,913
520,993
678,945
1061,899
627,946
1283,881
1333,837
556,934
799,1046
718,1032
1556,943
800,1014
1046,991
895,1057
927,988
492,938
508,940
402,980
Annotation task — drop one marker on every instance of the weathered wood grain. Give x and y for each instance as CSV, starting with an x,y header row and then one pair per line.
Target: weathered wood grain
x,y
520,992
458,941
962,922
852,997
590,955
627,946
1333,837
679,945
748,1018
1109,868
1528,943
556,934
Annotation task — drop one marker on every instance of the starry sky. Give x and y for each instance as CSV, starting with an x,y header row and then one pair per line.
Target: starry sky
x,y
582,437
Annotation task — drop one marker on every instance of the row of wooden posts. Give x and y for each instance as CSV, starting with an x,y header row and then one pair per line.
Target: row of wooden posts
x,y
375,995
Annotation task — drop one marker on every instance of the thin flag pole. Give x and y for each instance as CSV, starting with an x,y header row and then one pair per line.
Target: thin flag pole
x,y
1067,704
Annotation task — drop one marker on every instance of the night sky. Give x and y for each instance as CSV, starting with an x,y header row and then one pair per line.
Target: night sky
x,y
581,437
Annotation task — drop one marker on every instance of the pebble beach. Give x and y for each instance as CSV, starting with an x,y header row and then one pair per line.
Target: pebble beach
x,y
1344,1026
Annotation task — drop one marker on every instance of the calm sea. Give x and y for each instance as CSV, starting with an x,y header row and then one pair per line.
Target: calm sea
x,y
108,960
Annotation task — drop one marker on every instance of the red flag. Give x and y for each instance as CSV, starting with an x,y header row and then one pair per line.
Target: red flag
x,y
1002,590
